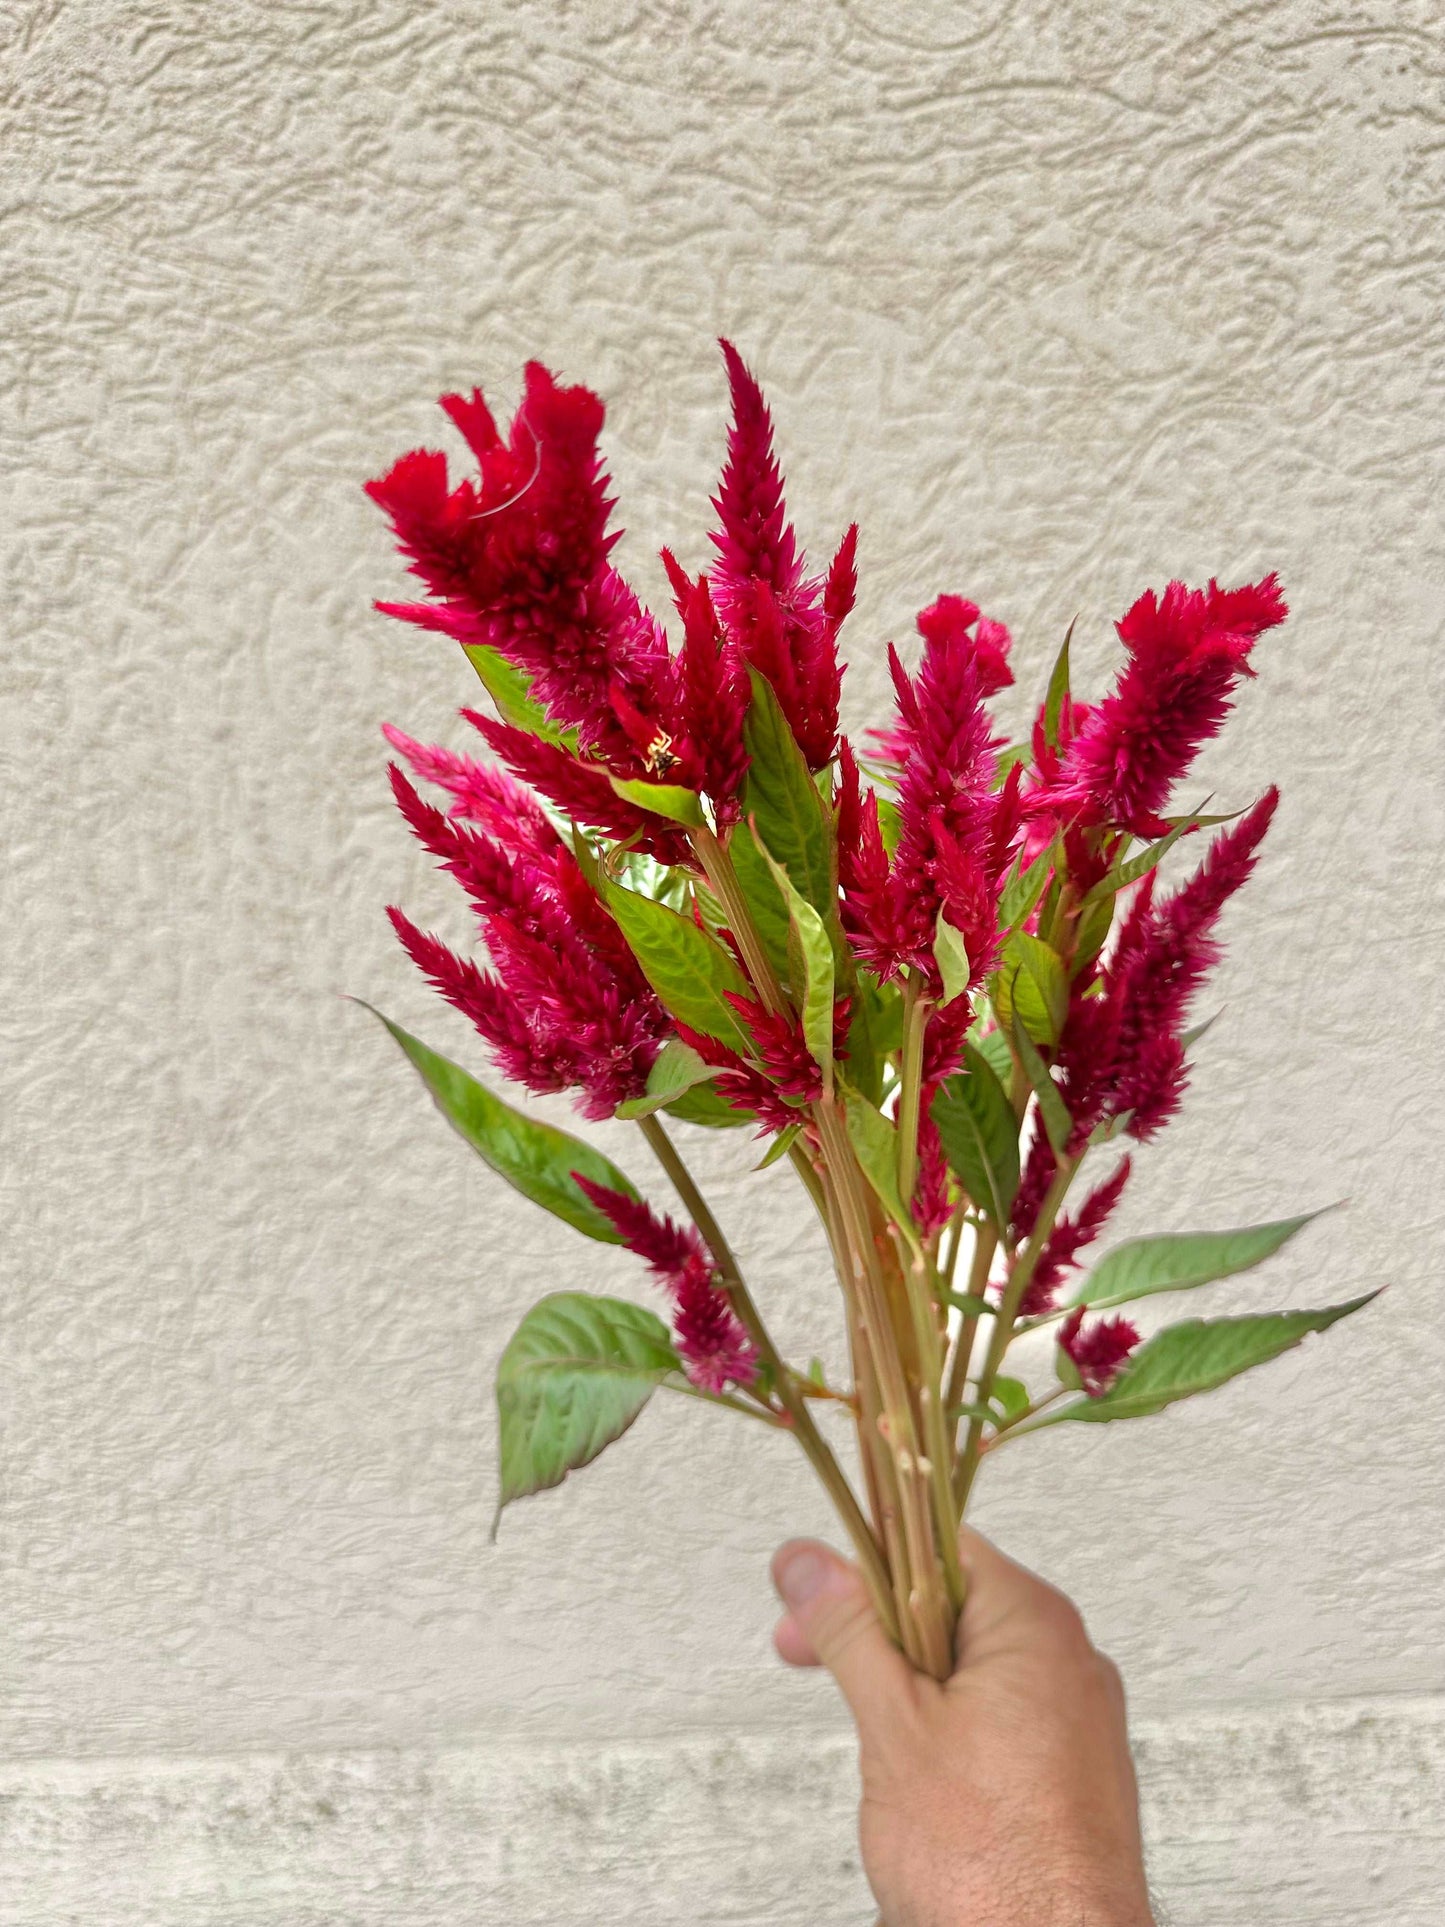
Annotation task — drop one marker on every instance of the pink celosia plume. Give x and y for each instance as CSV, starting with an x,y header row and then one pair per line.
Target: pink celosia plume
x,y
714,1348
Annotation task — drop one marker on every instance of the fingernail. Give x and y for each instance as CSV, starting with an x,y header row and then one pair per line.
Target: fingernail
x,y
802,1578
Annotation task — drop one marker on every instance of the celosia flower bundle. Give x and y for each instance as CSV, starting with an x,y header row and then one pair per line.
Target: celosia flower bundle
x,y
936,972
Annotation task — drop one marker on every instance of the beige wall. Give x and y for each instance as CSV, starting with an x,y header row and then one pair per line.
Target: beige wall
x,y
1057,300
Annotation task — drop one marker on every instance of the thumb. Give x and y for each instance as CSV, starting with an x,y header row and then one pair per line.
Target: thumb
x,y
830,1622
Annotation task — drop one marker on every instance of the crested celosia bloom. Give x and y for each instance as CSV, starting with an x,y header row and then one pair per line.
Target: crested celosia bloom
x,y
937,991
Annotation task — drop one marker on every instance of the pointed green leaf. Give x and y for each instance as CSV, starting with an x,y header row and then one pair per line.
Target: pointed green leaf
x,y
677,1069
951,956
779,1148
980,1134
1007,759
1022,891
1052,1109
1011,1396
1032,982
890,825
510,688
780,797
1058,691
1198,1355
663,799
764,899
1192,1036
875,1143
1179,1261
1123,874
575,1375
992,1046
1092,931
702,1105
535,1158
687,968
810,968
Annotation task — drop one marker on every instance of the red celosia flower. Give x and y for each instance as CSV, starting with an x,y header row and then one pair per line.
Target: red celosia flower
x,y
582,792
711,1341
1100,1353
714,1347
542,1060
953,619
742,1085
783,623
951,854
932,1205
482,793
1068,1238
569,1005
782,1055
1187,650
713,700
519,560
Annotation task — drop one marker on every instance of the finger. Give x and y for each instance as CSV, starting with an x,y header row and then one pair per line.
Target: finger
x,y
831,1622
1006,1606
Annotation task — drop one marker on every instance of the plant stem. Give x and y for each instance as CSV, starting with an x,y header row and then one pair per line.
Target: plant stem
x,y
910,1093
759,1412
808,1435
723,879
1012,1298
985,1244
1030,1411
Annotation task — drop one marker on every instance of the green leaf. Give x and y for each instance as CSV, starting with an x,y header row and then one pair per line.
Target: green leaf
x,y
779,1148
1011,1396
890,825
1092,931
992,1046
764,899
1022,892
677,1069
1198,1355
1192,1036
663,799
791,819
1007,758
875,1143
1052,1109
702,1105
687,968
535,1158
510,688
1058,691
810,969
1123,874
1033,984
1178,1261
980,1134
575,1375
951,956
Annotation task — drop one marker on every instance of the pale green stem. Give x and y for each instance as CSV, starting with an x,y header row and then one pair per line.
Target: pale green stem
x,y
1014,1291
910,1089
814,1445
985,1244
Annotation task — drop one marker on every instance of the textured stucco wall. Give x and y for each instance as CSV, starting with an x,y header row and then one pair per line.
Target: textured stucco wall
x,y
1057,300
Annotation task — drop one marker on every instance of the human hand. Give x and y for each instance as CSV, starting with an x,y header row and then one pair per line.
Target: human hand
x,y
1004,1797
